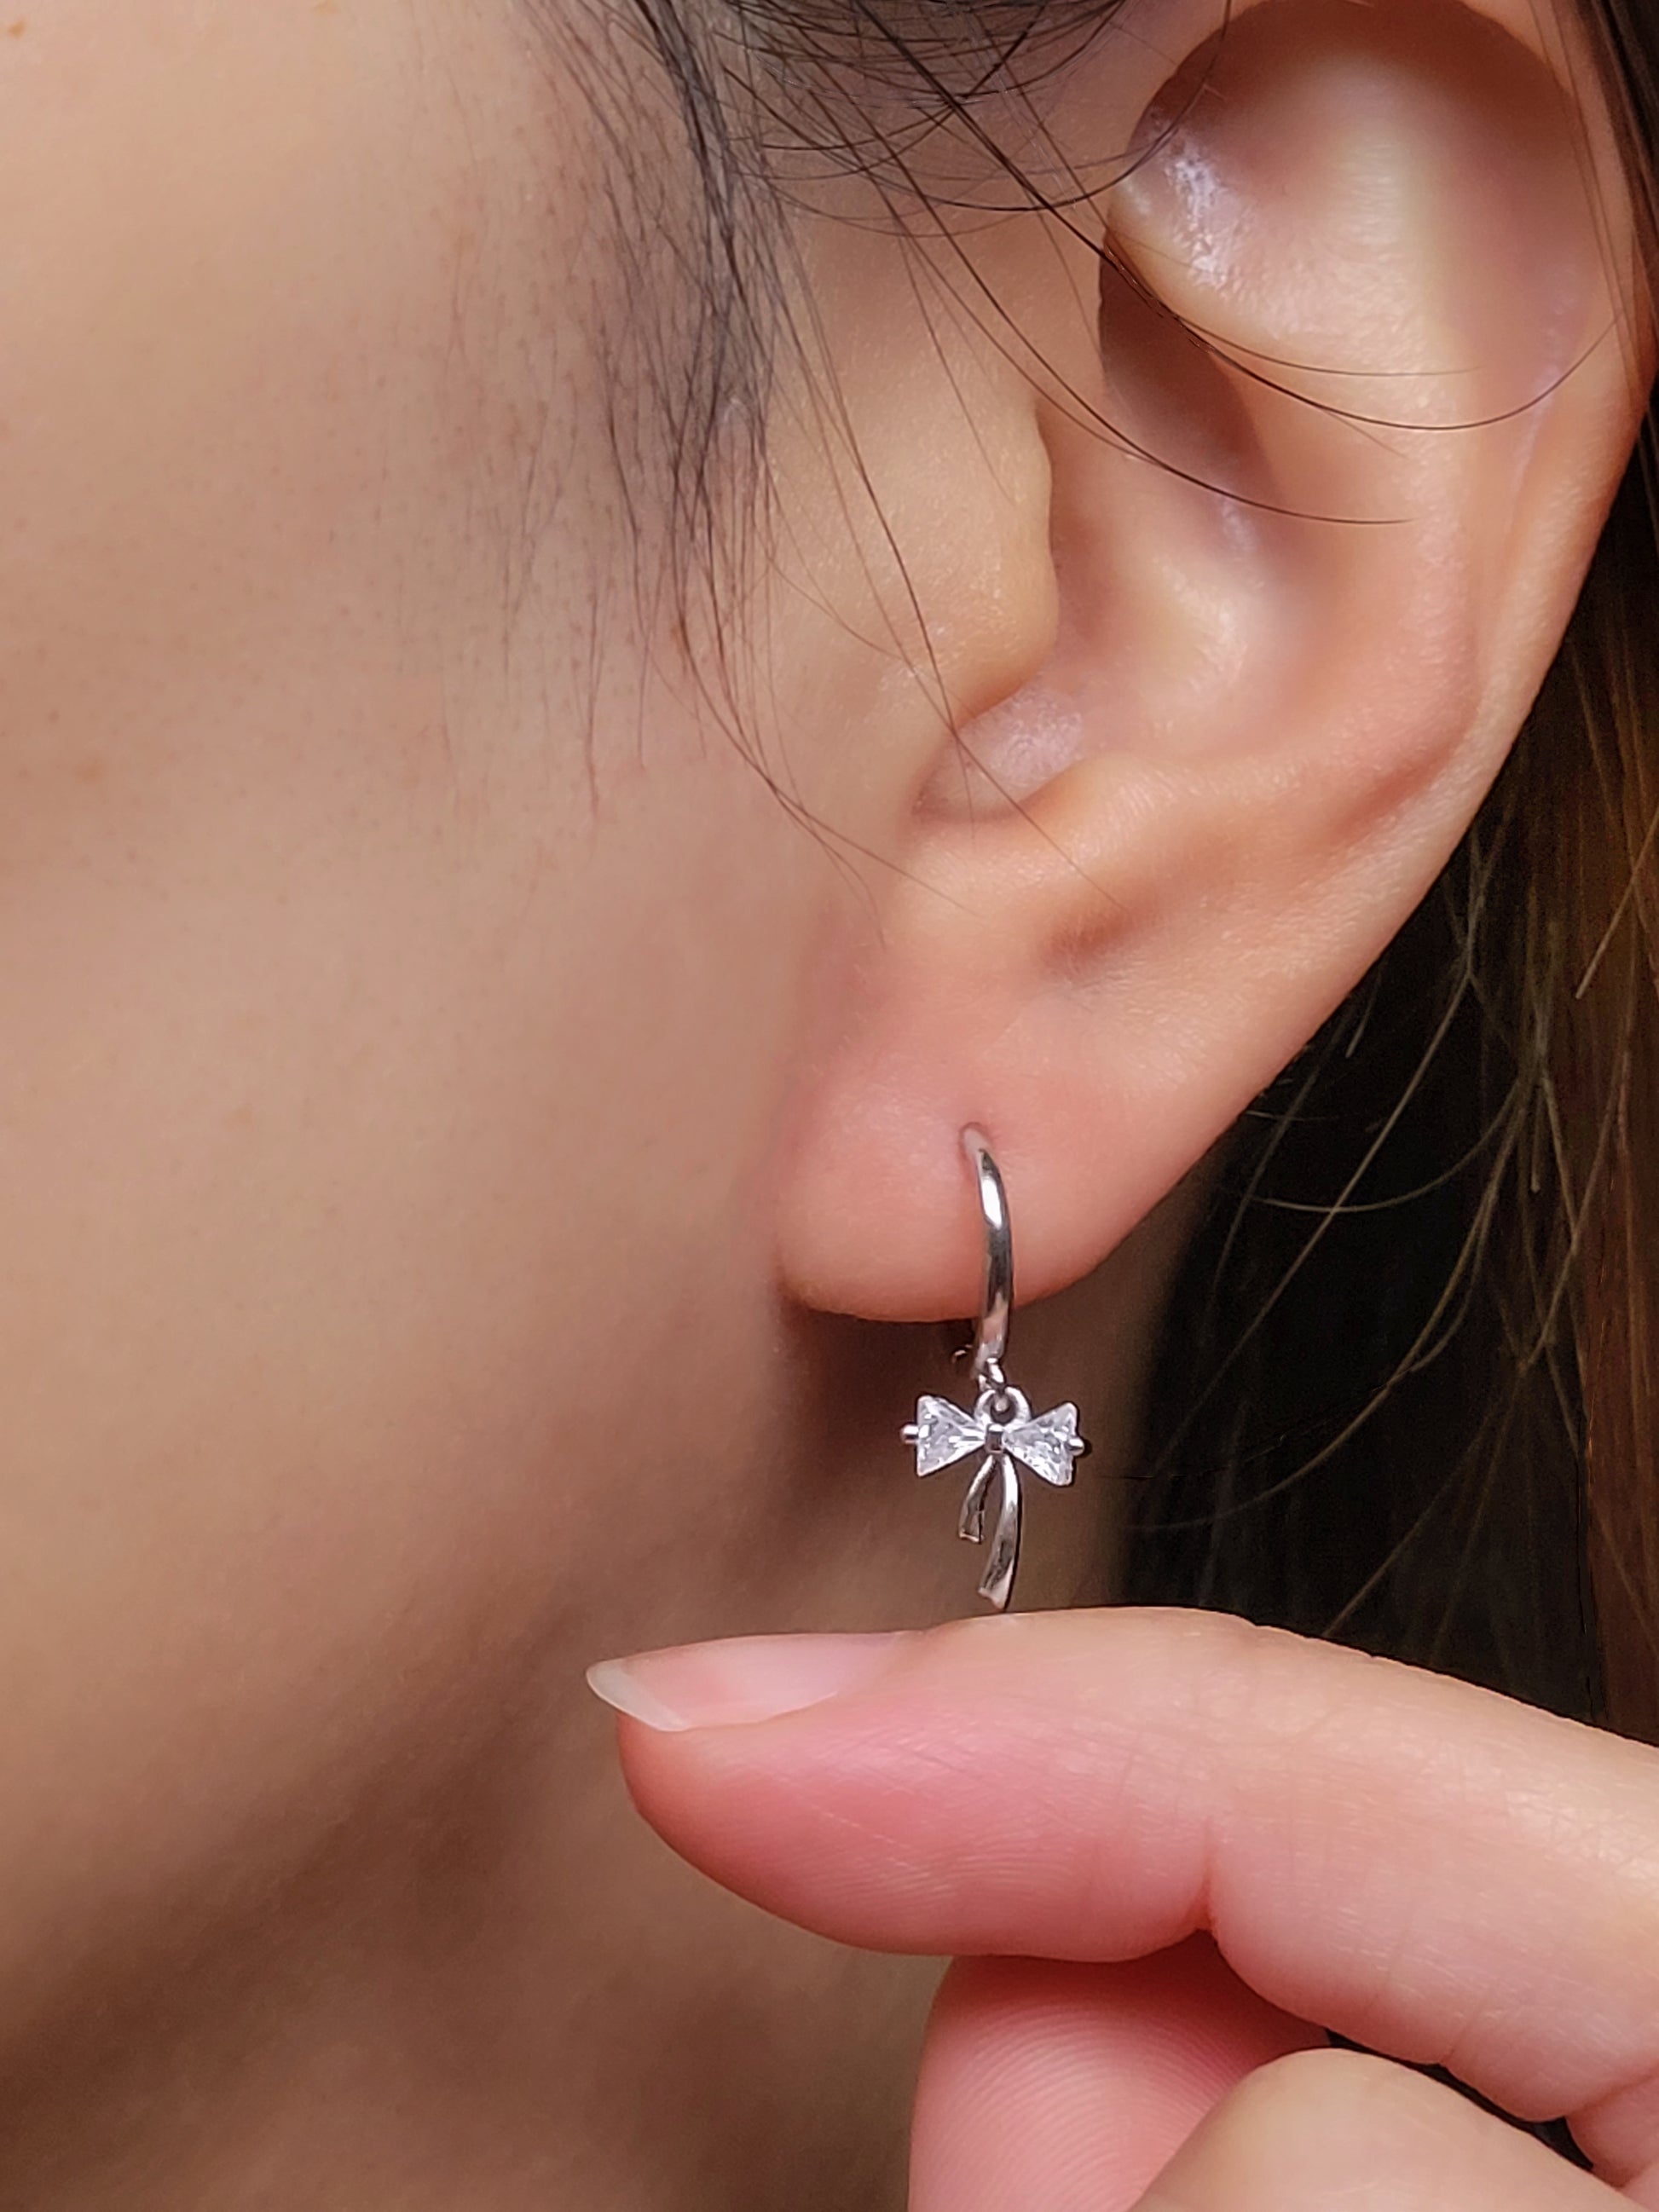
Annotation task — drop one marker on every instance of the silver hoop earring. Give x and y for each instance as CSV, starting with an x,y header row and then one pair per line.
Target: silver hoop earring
x,y
1000,1427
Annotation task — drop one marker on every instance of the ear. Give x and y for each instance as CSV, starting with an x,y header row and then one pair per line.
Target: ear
x,y
1323,476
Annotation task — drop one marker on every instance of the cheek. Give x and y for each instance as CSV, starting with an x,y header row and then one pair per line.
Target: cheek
x,y
358,1319
373,1083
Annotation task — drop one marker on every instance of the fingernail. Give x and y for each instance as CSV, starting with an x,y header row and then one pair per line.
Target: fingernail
x,y
744,1678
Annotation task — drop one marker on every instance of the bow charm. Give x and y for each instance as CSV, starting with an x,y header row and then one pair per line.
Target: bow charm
x,y
1003,1428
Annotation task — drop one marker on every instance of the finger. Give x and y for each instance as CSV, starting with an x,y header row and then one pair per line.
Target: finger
x,y
1069,2086
1429,1869
1331,2127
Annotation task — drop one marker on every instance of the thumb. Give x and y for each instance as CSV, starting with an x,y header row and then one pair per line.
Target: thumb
x,y
1070,2086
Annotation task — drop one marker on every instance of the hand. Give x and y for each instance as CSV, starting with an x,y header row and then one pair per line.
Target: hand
x,y
1160,1844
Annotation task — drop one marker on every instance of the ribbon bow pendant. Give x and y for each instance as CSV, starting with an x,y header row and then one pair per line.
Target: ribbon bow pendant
x,y
1003,1428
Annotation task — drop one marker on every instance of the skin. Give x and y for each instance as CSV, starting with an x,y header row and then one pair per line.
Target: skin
x,y
480,1144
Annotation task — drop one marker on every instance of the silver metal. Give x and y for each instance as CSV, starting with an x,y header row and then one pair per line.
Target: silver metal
x,y
1001,1427
997,1300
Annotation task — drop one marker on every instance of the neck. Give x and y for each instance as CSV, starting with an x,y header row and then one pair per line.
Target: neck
x,y
507,1995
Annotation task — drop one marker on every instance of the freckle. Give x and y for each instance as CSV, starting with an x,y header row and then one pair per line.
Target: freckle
x,y
16,30
91,770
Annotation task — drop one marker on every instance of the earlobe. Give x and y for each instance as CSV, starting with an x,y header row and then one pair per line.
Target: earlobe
x,y
1324,481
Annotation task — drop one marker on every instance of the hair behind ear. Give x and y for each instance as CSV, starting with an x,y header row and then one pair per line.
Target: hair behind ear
x,y
1408,1393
